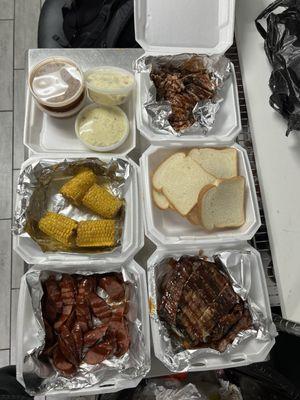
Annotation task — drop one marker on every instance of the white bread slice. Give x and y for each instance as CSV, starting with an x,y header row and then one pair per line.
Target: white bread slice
x,y
222,205
164,168
160,200
222,163
181,179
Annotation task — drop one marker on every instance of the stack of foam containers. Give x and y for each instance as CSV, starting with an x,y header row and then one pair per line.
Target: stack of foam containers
x,y
160,29
48,138
201,27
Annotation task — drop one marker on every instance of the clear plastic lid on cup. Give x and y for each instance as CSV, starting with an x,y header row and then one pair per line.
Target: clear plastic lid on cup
x,y
56,82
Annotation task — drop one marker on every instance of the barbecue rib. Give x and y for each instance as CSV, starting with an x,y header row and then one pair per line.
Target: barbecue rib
x,y
198,300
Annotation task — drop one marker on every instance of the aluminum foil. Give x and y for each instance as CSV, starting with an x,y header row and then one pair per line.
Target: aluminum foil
x,y
237,264
204,112
38,192
40,377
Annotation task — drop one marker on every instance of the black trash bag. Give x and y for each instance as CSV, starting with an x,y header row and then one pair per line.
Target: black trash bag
x,y
282,46
262,382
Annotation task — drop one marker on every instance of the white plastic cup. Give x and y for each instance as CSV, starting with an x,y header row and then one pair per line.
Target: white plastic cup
x,y
101,148
56,113
52,85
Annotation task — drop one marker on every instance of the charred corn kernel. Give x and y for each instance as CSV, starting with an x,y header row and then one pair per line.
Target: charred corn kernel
x,y
96,233
58,227
101,202
76,188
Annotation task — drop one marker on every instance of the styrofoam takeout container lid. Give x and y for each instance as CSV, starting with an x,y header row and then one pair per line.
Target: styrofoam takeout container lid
x,y
167,228
132,236
27,328
187,26
247,352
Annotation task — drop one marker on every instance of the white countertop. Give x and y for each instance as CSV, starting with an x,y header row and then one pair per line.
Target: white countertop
x,y
277,159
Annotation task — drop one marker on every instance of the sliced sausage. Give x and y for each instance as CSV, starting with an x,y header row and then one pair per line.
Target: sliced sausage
x,y
94,335
99,307
61,364
113,287
99,352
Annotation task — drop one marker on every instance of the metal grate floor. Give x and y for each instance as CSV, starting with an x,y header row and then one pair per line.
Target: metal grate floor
x,y
261,239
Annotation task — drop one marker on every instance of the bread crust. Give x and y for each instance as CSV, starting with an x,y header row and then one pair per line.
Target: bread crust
x,y
156,203
193,216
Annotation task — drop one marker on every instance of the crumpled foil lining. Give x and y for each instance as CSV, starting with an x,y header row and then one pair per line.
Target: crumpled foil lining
x,y
237,264
40,377
204,111
38,191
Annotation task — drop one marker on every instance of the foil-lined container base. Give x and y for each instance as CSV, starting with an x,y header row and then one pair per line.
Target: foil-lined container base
x,y
238,265
204,112
40,377
38,192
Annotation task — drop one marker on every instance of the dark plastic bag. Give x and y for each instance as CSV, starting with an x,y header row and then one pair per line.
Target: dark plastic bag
x,y
261,382
282,46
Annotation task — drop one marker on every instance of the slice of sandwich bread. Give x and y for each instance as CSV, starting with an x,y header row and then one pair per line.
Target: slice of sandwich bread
x,y
181,179
160,200
222,205
222,163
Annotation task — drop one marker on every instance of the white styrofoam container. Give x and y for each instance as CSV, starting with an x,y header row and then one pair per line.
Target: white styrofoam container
x,y
27,326
192,26
132,237
45,134
226,127
166,228
247,352
187,26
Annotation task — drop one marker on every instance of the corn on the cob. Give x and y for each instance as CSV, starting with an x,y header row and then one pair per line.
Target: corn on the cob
x,y
101,202
58,227
96,233
76,188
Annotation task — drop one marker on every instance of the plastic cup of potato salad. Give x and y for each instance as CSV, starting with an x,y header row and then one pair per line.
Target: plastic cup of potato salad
x,y
102,128
109,86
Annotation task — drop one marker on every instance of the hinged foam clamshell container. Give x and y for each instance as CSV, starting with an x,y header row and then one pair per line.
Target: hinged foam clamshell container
x,y
132,237
46,134
167,228
192,26
27,327
247,352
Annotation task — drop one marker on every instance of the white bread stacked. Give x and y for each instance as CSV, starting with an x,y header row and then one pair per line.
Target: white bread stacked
x,y
202,185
